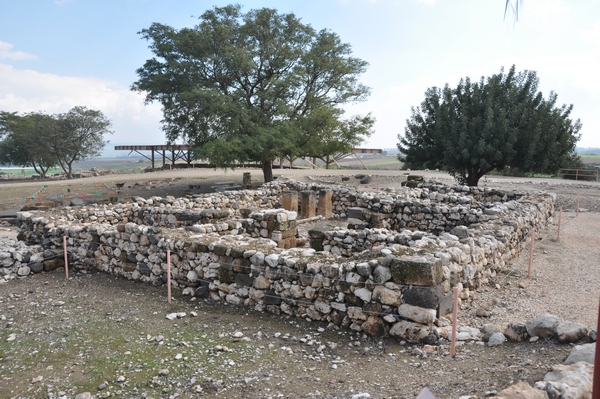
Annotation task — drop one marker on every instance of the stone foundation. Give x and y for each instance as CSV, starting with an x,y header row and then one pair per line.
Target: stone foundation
x,y
390,277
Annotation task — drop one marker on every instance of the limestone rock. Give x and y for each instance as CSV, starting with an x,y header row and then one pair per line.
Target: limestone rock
x,y
410,332
416,313
375,327
496,339
572,381
516,332
544,326
582,353
387,296
569,331
521,390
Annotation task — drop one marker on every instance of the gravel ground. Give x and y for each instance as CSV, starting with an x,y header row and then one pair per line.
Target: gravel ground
x,y
110,337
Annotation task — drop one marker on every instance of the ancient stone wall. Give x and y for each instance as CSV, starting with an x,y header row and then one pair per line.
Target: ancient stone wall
x,y
374,280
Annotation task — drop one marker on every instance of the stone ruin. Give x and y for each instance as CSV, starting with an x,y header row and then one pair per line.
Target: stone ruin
x,y
389,272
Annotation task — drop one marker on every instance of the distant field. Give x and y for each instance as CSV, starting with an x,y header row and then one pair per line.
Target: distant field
x,y
139,164
122,165
28,172
590,159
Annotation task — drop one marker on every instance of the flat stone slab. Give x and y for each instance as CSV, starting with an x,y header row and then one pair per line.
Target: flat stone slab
x,y
8,214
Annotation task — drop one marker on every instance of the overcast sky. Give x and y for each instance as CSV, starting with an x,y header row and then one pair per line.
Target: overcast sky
x,y
56,54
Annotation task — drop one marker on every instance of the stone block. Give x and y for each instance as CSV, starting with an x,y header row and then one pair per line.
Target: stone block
x,y
447,304
375,327
226,276
316,244
417,178
289,200
582,353
425,297
357,213
271,298
417,270
287,243
243,280
247,180
387,296
410,332
325,204
308,204
357,224
417,314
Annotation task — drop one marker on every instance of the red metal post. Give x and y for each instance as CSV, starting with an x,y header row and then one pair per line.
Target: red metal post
x,y
66,257
531,253
454,322
596,383
169,275
559,222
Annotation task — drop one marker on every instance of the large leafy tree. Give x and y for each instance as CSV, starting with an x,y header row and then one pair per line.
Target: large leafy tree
x,y
43,141
335,138
498,122
80,136
24,140
249,86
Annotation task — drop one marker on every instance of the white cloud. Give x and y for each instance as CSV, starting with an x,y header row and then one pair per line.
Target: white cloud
x,y
30,91
544,10
7,53
592,35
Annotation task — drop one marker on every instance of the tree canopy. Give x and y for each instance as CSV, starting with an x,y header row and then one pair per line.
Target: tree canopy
x,y
498,122
43,141
252,86
22,140
80,136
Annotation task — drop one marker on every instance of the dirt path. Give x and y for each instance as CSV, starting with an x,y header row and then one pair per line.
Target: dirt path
x,y
565,278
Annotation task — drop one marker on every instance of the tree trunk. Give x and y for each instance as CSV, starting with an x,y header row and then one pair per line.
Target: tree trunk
x,y
267,169
70,170
472,180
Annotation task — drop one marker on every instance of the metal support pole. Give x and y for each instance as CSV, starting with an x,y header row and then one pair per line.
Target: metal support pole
x,y
596,381
531,253
66,257
454,322
559,222
169,275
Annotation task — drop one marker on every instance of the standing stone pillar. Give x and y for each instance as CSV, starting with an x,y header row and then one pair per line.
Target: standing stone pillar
x,y
308,204
246,180
325,204
289,200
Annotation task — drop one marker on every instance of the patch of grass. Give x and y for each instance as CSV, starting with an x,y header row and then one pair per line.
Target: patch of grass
x,y
542,176
29,172
386,163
